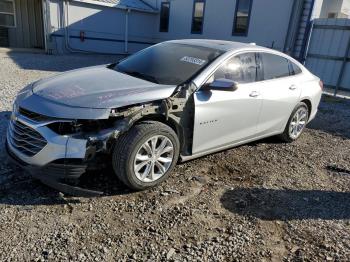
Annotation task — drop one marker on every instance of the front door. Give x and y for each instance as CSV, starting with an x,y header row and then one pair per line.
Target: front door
x,y
224,117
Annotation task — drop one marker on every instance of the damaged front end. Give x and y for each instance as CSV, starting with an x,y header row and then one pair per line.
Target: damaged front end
x,y
58,151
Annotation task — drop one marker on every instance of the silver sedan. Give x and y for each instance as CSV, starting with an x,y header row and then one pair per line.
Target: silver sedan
x,y
176,100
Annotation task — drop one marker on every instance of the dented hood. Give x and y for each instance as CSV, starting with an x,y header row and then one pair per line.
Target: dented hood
x,y
99,87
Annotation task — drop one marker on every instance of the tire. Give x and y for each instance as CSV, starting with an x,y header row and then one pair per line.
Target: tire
x,y
131,146
287,135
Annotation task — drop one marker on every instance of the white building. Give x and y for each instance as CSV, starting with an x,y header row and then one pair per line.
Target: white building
x,y
332,9
126,26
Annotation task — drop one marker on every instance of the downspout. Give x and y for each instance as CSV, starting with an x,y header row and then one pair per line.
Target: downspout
x,y
293,27
306,51
126,49
307,34
286,47
46,23
66,31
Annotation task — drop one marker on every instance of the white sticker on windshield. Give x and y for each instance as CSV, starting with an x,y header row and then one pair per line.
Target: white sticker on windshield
x,y
193,60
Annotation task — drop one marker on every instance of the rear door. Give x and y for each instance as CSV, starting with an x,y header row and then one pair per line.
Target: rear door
x,y
280,92
228,117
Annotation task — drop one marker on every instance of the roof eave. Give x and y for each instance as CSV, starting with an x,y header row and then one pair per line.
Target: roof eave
x,y
123,7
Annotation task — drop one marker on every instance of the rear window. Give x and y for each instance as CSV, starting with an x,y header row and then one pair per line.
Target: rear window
x,y
294,68
274,66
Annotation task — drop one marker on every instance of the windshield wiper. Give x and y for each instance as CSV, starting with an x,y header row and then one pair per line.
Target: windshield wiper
x,y
142,76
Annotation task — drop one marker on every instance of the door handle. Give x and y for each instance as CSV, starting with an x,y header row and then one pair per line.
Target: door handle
x,y
254,94
293,87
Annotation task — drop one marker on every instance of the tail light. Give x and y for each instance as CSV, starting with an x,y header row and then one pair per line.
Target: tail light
x,y
321,84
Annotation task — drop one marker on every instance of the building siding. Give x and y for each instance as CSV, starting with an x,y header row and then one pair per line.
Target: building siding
x,y
268,26
328,52
104,27
29,25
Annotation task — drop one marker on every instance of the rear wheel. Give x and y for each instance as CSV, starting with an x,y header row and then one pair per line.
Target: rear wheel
x,y
145,155
296,123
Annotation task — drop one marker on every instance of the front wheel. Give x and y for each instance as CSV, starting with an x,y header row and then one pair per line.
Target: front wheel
x,y
296,123
145,155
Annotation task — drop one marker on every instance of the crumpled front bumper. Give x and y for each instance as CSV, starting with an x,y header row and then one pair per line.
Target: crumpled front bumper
x,y
62,159
55,175
57,147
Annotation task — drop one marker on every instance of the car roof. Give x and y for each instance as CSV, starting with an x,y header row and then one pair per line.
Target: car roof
x,y
218,44
231,46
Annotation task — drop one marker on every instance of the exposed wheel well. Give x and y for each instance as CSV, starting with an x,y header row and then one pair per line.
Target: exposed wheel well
x,y
159,118
169,122
309,105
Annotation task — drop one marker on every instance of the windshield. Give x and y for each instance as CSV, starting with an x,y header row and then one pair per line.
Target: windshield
x,y
168,63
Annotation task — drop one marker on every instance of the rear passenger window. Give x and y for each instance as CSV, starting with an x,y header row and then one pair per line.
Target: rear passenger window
x,y
274,66
294,68
241,69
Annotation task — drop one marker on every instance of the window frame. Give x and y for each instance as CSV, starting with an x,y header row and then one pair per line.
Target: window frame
x,y
201,79
193,12
13,14
160,17
290,69
257,61
235,19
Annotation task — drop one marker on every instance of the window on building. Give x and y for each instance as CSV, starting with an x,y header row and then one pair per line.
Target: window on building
x,y
164,17
242,17
332,15
7,13
198,16
241,69
274,66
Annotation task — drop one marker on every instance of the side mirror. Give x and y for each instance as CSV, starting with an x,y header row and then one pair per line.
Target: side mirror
x,y
222,84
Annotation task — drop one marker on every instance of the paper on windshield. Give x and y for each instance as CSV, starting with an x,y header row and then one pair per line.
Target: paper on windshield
x,y
193,60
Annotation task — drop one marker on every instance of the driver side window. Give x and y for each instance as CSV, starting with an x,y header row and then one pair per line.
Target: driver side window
x,y
241,69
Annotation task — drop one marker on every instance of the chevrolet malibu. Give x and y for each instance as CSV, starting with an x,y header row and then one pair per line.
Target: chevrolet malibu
x,y
177,100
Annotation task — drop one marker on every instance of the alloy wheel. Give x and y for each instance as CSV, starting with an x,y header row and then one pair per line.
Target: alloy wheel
x,y
153,158
298,122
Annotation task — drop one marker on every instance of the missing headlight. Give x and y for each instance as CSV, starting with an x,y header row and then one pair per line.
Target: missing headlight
x,y
65,128
81,126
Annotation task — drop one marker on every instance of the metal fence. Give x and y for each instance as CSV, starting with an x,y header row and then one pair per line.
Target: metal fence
x,y
328,51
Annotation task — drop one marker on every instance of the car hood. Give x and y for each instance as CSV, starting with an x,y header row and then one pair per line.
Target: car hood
x,y
99,87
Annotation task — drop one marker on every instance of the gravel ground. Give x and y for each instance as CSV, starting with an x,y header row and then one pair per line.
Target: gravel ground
x,y
266,201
